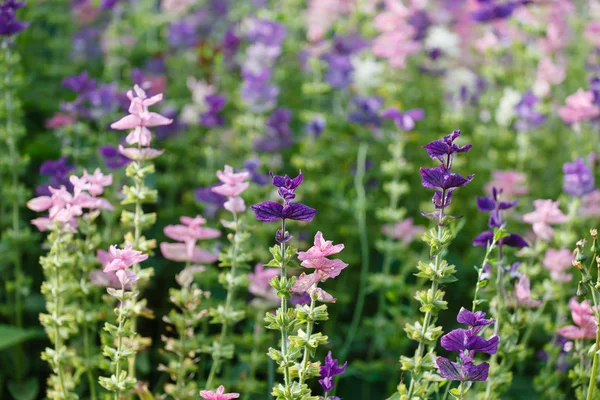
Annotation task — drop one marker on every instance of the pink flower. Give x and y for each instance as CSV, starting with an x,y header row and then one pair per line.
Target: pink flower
x,y
510,181
97,181
585,321
231,190
322,248
218,395
395,43
59,121
140,154
523,293
548,74
229,177
590,204
126,277
180,252
579,107
139,118
260,283
557,262
322,14
546,213
121,259
404,230
592,33
191,230
186,276
235,205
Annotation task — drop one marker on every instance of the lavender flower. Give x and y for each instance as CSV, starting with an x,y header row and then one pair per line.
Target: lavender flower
x,y
279,134
182,34
215,104
9,25
366,111
330,369
252,167
257,92
339,65
404,121
315,126
578,179
270,211
58,173
113,159
466,342
528,117
494,10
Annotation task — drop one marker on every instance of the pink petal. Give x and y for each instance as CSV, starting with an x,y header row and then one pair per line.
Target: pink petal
x,y
41,203
128,122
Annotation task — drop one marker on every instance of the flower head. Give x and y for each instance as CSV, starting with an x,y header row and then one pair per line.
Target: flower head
x,y
523,293
546,213
121,259
558,262
584,319
445,148
330,369
510,182
218,395
260,283
578,178
406,120
9,25
579,107
405,231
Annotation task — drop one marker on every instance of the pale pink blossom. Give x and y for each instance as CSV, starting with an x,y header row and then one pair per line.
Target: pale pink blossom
x,y
235,205
396,41
229,177
322,248
322,14
124,258
590,204
319,294
511,182
558,262
523,293
218,395
260,283
126,277
546,213
548,74
139,118
404,230
97,181
578,107
179,252
592,33
584,319
231,190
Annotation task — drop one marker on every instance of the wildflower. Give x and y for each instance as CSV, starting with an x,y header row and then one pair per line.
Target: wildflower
x,y
112,158
58,173
404,230
404,121
584,319
397,38
579,107
97,181
180,252
491,11
366,111
121,259
260,283
578,178
546,213
269,211
495,207
466,342
315,126
523,293
9,25
445,148
330,369
211,117
510,182
139,118
233,184
278,135
548,73
558,262
257,92
590,204
252,167
218,395
528,117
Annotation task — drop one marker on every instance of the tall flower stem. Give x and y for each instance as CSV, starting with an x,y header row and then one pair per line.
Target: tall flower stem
x,y
284,309
216,365
117,392
309,328
498,315
361,216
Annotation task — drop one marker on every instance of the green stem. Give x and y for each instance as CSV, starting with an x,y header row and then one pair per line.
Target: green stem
x,y
361,207
284,309
117,394
57,312
309,328
592,385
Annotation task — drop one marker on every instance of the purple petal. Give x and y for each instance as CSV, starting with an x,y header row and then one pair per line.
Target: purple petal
x,y
478,343
505,205
433,178
476,372
483,239
297,212
514,240
417,114
454,340
448,369
268,211
485,204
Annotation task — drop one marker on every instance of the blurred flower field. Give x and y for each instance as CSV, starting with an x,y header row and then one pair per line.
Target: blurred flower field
x,y
299,199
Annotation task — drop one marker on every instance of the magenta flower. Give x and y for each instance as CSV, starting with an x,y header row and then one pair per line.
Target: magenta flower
x,y
584,319
523,293
404,230
260,283
558,262
330,369
139,118
510,182
546,213
579,107
218,395
121,259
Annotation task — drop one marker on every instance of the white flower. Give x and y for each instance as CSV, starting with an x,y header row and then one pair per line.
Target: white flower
x,y
368,73
506,108
439,37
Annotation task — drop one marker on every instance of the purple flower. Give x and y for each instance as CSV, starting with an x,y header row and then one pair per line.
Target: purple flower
x,y
445,148
528,117
512,240
257,92
578,179
252,167
58,173
279,134
207,196
265,31
182,34
490,10
211,117
442,178
329,369
366,111
113,159
270,211
405,121
468,340
339,70
476,320
81,84
494,206
9,25
463,372
315,126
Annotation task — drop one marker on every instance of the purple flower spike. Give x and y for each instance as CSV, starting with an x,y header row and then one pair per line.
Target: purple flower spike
x,y
444,149
442,178
578,179
404,121
512,240
473,319
330,369
9,25
462,372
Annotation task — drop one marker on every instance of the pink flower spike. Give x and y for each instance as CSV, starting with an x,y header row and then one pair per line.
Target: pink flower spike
x,y
578,107
218,395
124,258
126,277
231,190
229,177
193,222
322,248
546,213
585,322
558,262
523,293
98,181
179,252
235,205
329,268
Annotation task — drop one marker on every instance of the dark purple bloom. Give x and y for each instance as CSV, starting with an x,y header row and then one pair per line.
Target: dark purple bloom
x,y
595,88
420,21
9,25
315,127
113,159
57,172
462,372
405,121
108,4
279,134
467,339
366,111
512,240
230,43
211,117
493,10
476,320
207,196
329,369
252,167
442,178
528,117
444,149
349,44
494,206
300,299
257,92
578,178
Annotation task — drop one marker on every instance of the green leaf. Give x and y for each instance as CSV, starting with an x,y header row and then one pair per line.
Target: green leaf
x,y
27,390
12,335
